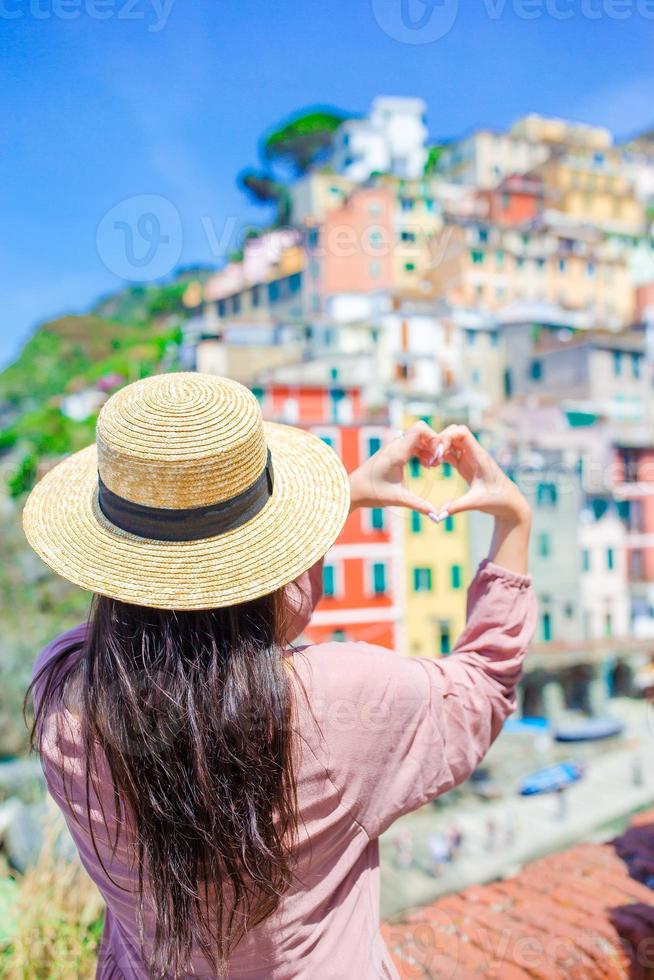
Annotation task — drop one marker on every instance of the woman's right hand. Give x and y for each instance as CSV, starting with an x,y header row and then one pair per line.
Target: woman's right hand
x,y
491,491
489,488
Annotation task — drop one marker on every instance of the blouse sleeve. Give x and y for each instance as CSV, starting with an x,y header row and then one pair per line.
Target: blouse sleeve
x,y
421,727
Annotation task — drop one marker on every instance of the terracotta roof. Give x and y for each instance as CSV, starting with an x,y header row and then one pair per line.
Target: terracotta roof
x,y
584,913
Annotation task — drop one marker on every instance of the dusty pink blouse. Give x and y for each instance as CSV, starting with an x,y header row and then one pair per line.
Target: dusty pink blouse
x,y
385,735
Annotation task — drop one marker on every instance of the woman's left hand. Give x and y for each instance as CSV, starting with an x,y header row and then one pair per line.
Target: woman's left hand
x,y
379,482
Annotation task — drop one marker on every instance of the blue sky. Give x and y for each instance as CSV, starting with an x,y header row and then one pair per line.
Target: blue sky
x,y
169,98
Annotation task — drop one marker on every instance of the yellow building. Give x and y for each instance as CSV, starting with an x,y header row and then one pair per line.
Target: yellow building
x,y
437,565
487,268
551,131
590,188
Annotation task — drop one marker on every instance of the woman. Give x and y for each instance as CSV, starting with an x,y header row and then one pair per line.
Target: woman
x,y
226,790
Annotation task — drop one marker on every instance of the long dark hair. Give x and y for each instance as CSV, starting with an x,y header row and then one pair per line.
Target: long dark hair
x,y
192,711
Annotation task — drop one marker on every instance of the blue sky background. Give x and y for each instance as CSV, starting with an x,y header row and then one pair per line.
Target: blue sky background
x,y
95,111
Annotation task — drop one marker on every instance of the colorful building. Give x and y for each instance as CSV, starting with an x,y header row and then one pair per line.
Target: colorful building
x,y
634,480
436,564
361,578
488,267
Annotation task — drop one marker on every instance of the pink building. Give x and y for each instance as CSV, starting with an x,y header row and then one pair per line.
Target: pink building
x,y
352,250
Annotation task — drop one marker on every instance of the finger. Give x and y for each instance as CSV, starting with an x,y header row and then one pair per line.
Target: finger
x,y
422,506
421,441
455,438
468,501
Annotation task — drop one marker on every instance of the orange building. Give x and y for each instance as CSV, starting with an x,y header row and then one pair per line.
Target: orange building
x,y
362,577
517,199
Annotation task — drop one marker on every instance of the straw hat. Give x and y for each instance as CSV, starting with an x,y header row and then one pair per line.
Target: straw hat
x,y
189,500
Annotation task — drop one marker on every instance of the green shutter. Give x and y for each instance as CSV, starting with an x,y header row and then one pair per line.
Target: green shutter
x,y
456,576
416,522
379,578
328,580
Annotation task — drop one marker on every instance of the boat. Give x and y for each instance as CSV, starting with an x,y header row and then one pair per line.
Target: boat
x,y
528,725
589,730
551,779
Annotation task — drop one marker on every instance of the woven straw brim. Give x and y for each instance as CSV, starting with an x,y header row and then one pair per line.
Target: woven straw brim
x,y
302,519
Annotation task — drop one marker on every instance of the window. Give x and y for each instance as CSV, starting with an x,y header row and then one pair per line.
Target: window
x,y
408,236
374,445
483,234
409,266
236,304
339,636
376,239
449,524
471,337
617,363
475,378
636,565
585,560
416,522
544,544
608,624
546,494
329,580
295,282
256,297
590,269
562,265
379,578
494,338
445,639
333,373
499,256
635,366
599,506
455,573
477,256
377,519
221,307
406,204
422,579
536,370
414,467
273,292
447,470
546,627
610,559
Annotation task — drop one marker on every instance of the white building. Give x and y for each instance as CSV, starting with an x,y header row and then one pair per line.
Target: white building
x,y
604,589
484,158
392,140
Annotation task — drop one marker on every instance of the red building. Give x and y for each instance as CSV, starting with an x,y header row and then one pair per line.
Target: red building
x,y
516,200
362,575
645,302
634,492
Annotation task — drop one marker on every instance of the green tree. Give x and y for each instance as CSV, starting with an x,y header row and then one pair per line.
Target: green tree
x,y
303,140
262,188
